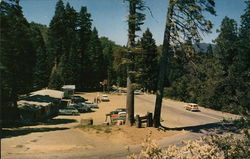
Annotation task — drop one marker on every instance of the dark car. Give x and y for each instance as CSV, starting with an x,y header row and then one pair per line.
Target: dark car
x,y
82,108
70,110
90,104
78,99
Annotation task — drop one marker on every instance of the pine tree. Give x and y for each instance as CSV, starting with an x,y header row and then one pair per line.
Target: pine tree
x,y
148,62
84,34
240,69
94,57
227,42
135,20
184,22
41,70
227,50
17,56
71,43
56,35
108,57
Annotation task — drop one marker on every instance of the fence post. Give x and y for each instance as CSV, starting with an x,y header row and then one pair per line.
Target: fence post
x,y
138,121
149,119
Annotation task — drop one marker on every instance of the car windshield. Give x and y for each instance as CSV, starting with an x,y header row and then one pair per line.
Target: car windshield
x,y
194,106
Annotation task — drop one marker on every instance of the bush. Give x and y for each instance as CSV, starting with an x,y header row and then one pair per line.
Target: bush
x,y
214,146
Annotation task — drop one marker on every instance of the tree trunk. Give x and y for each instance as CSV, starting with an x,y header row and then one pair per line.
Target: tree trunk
x,y
130,102
163,64
131,43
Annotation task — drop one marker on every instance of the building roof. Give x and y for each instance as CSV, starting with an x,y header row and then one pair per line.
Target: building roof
x,y
50,93
69,87
41,100
29,107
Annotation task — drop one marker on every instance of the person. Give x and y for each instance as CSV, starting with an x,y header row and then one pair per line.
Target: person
x,y
98,99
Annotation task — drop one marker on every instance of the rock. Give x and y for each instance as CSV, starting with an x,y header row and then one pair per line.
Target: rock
x,y
86,121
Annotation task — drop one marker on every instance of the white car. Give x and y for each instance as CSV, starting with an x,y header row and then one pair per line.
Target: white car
x,y
137,92
192,107
105,98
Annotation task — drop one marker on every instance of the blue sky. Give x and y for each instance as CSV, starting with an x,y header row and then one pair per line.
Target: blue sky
x,y
109,16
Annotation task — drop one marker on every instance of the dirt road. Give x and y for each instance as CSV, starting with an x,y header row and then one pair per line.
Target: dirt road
x,y
59,139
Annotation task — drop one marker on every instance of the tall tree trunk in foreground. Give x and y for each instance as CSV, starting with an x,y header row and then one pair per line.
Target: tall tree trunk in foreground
x,y
185,22
163,63
131,43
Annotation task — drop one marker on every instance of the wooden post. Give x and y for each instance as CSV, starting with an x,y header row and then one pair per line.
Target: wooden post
x,y
149,119
138,121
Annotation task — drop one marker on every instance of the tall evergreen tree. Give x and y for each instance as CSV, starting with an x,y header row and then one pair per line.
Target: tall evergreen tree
x,y
239,70
71,43
41,70
148,62
227,42
56,40
56,34
17,56
84,34
227,49
94,58
135,20
184,21
108,57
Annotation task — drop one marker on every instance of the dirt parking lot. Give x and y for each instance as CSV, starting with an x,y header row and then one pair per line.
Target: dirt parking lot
x,y
61,138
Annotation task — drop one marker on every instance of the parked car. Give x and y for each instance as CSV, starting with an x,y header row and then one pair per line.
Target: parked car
x,y
90,104
105,98
137,92
121,109
69,110
192,107
118,114
77,99
82,108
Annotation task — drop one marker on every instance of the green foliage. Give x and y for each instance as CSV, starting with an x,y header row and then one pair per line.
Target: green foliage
x,y
56,80
217,79
108,57
84,34
94,69
17,56
147,62
135,19
19,65
119,65
41,69
187,19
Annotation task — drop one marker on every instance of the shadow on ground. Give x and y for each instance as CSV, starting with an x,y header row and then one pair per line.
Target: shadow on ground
x,y
219,128
58,121
7,133
17,124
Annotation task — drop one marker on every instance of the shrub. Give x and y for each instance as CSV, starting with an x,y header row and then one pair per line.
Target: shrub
x,y
229,146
